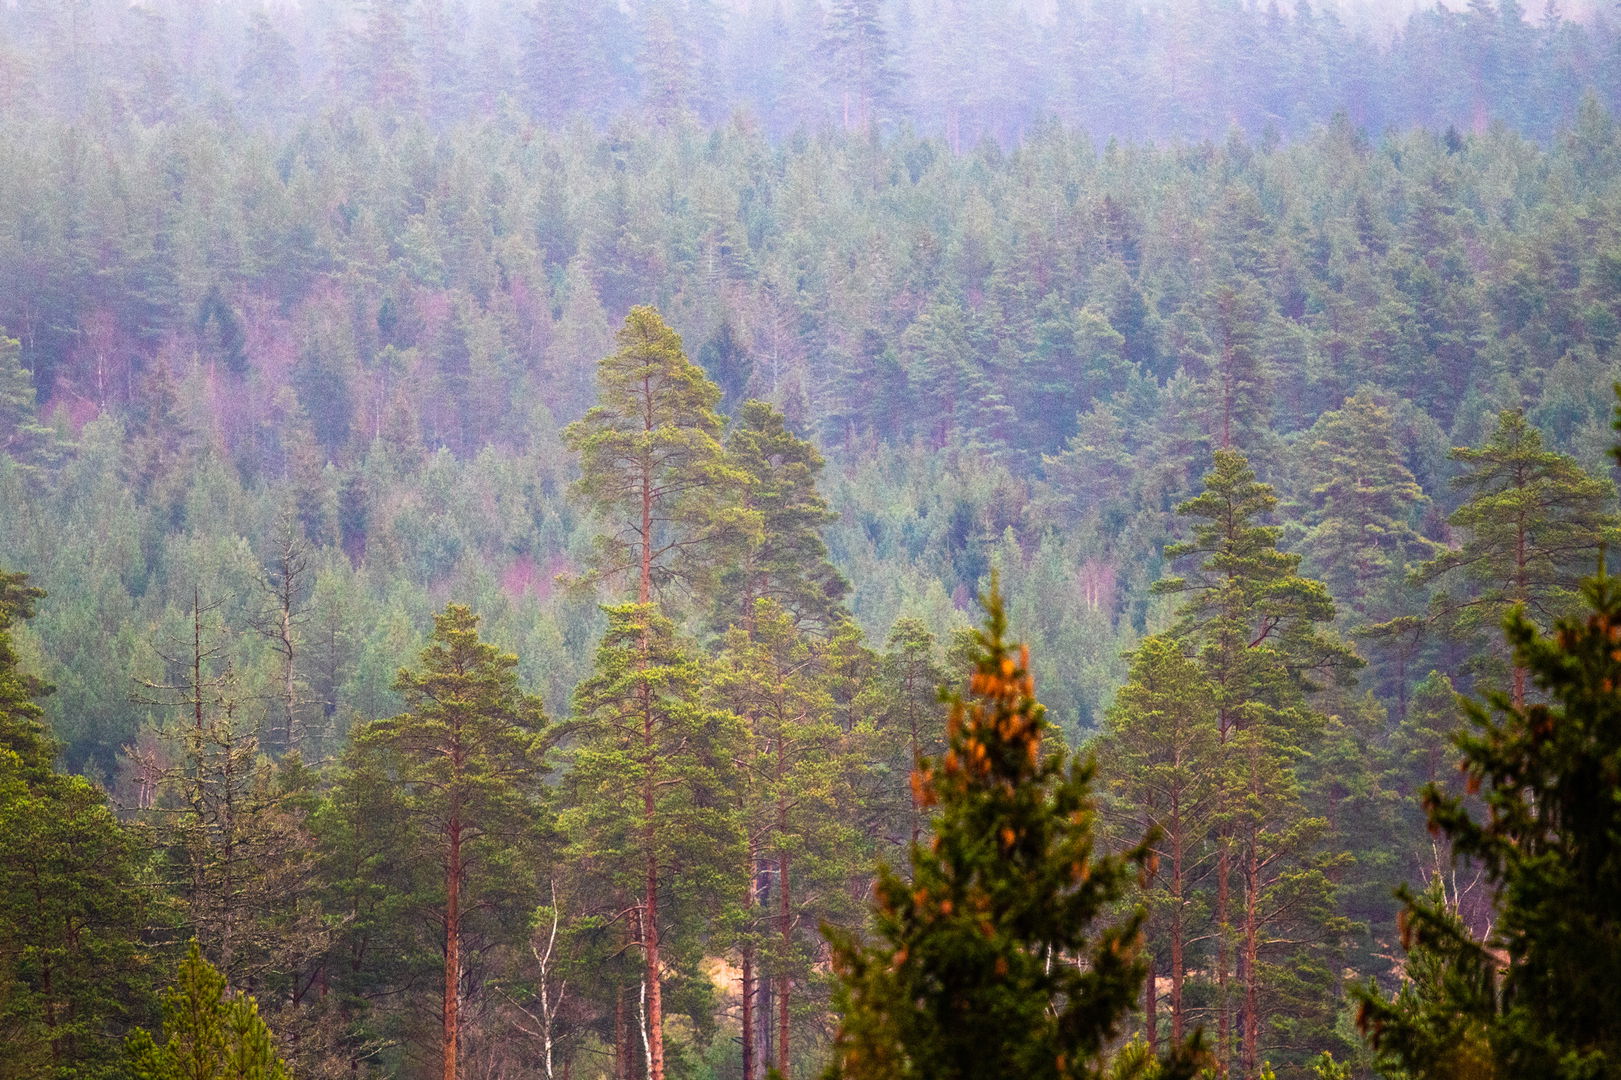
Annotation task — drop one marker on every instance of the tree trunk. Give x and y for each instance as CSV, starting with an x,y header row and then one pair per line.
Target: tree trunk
x,y
1151,1005
748,978
621,1037
1521,595
765,991
1252,904
644,587
453,945
650,940
748,1012
784,979
1178,956
1223,957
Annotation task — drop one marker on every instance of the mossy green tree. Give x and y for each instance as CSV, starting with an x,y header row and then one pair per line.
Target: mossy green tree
x,y
992,957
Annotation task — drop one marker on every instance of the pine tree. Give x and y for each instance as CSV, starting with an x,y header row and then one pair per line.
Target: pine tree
x,y
207,1035
1363,501
1254,624
1534,521
991,956
787,561
469,753
1159,755
72,902
22,436
797,803
860,65
905,716
652,465
648,801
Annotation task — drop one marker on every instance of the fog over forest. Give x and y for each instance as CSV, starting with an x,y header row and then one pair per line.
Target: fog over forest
x,y
492,495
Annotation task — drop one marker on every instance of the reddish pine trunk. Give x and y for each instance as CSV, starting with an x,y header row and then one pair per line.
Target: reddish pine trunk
x,y
784,980
644,590
1252,903
748,978
650,947
1223,959
748,1012
650,906
1522,595
1178,958
453,945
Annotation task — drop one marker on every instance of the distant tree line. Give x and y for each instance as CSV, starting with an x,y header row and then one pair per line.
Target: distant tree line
x,y
962,70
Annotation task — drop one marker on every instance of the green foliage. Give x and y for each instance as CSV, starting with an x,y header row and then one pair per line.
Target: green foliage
x,y
648,811
1536,996
787,560
467,758
1364,501
652,465
208,1034
1533,523
72,899
990,952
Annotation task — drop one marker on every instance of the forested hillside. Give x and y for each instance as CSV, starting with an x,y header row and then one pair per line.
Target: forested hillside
x,y
480,541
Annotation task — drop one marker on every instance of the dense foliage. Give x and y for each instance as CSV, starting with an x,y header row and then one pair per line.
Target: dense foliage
x,y
680,400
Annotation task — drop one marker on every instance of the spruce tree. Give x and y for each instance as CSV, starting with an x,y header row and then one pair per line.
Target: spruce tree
x,y
991,959
208,1034
1537,996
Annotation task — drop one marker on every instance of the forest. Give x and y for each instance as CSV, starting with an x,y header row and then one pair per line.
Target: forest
x,y
518,521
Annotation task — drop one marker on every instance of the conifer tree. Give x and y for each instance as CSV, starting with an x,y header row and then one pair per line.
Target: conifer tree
x,y
1159,754
991,955
468,754
652,465
906,722
1254,623
787,561
860,66
795,779
648,801
72,898
208,1034
1537,996
1363,500
1534,521
22,436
